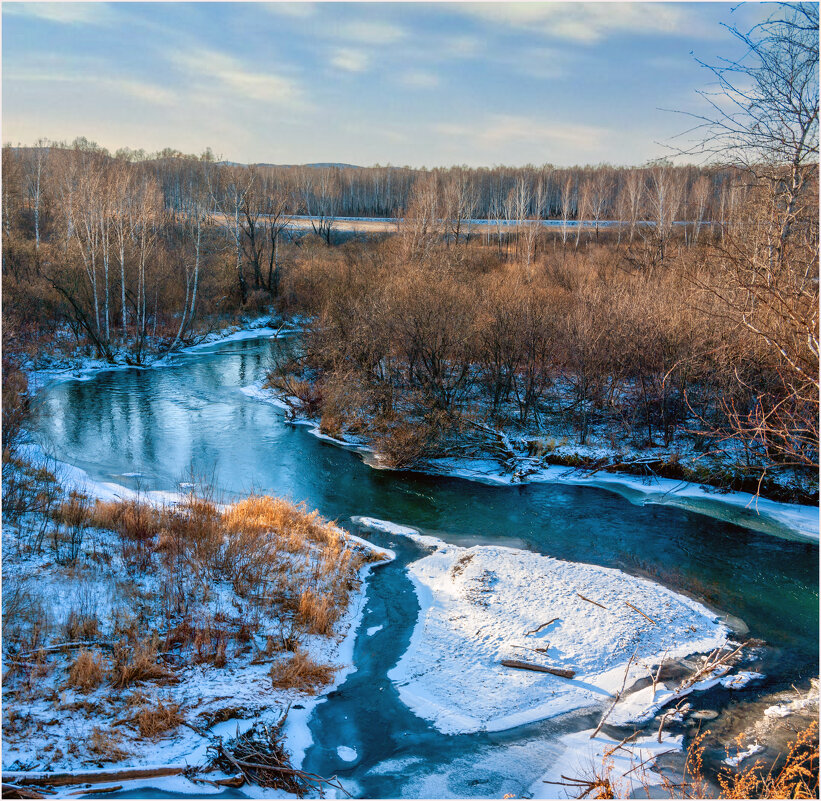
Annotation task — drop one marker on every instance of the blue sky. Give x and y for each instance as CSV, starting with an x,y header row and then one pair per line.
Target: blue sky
x,y
364,83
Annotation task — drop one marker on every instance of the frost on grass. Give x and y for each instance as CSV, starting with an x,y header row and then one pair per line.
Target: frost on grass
x,y
483,604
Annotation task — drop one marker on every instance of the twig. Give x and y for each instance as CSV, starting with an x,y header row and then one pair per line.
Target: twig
x,y
539,628
635,609
652,756
615,748
595,603
617,697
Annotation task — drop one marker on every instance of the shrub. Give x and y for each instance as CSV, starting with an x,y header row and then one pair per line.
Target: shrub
x,y
317,611
104,743
137,664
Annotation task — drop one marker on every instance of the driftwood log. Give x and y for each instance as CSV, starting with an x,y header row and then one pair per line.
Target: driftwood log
x,y
91,777
515,663
13,791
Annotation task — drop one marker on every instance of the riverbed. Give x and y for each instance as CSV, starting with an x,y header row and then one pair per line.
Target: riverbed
x,y
155,429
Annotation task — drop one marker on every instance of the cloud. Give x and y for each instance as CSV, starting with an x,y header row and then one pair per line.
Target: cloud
x,y
371,32
64,13
141,90
587,22
350,60
231,76
509,129
419,79
297,10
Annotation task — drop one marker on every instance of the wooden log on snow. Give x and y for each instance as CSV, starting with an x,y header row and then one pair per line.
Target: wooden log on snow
x,y
515,663
94,790
92,777
13,791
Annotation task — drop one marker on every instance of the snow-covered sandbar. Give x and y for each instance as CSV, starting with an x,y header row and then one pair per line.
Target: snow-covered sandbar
x,y
483,604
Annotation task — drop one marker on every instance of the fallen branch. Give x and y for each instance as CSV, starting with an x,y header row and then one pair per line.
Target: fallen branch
x,y
14,791
617,697
66,645
595,603
636,609
515,663
616,747
93,777
93,790
539,628
652,756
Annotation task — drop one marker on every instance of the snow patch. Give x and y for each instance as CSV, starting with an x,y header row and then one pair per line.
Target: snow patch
x,y
347,754
483,604
735,761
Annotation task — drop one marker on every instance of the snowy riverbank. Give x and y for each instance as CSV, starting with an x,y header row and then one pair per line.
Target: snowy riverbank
x,y
787,520
483,604
84,368
54,727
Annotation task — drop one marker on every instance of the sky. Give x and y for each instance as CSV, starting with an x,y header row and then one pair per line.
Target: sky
x,y
418,84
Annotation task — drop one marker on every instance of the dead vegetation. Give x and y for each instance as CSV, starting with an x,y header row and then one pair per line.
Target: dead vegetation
x,y
258,755
794,775
161,718
157,590
299,672
87,671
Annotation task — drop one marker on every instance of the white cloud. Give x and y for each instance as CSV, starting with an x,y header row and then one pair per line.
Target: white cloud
x,y
350,60
231,76
419,79
298,10
64,13
588,22
149,92
371,32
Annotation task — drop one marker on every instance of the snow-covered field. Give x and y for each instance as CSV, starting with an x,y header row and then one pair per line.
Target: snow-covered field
x,y
483,604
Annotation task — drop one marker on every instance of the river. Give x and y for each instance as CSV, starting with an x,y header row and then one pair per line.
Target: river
x,y
154,428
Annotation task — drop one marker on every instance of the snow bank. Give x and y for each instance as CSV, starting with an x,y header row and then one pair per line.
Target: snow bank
x,y
483,604
742,508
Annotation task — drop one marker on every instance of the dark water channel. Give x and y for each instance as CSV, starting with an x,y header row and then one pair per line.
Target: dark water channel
x,y
165,423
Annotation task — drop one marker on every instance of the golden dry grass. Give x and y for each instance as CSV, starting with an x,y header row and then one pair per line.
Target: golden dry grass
x,y
87,671
796,778
317,612
105,744
300,672
262,514
153,721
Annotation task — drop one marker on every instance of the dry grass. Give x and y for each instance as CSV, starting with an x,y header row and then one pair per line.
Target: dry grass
x,y
137,664
105,744
796,778
317,612
87,671
262,514
153,721
81,627
300,672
